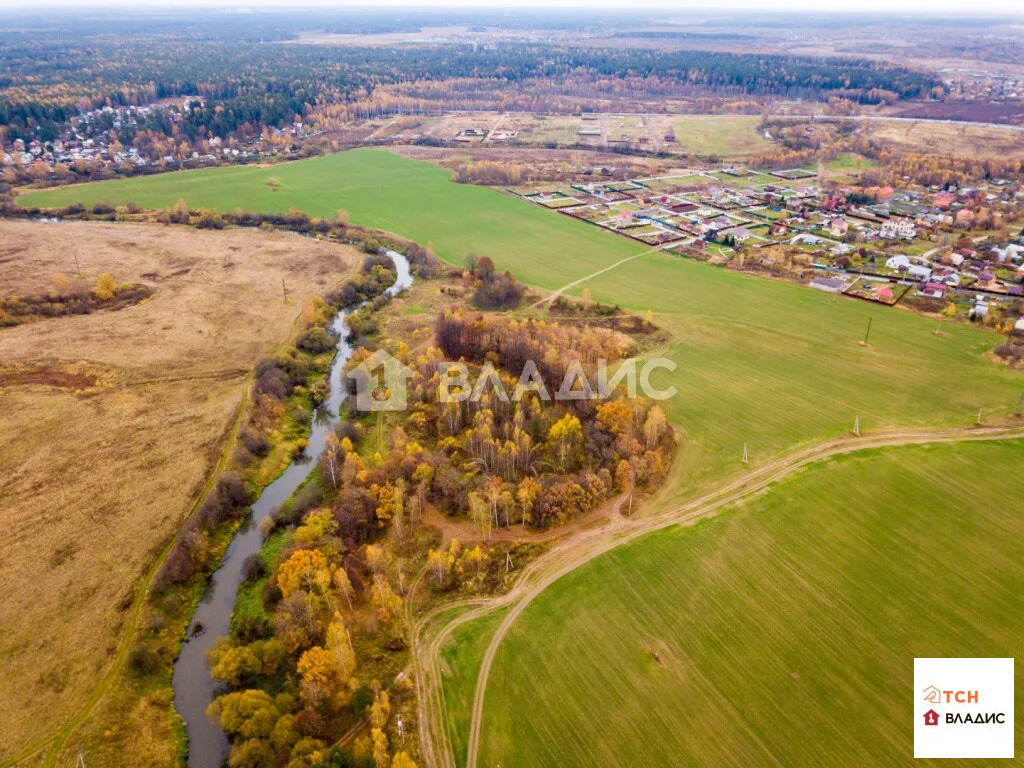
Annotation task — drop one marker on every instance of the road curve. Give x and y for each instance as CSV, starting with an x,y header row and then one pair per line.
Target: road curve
x,y
430,632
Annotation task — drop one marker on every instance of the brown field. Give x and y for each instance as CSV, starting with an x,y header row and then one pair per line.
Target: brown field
x,y
957,138
111,424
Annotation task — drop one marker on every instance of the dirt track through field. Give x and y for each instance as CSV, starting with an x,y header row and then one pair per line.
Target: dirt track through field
x,y
430,633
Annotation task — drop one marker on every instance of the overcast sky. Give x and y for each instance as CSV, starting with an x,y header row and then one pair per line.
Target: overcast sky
x,y
1009,7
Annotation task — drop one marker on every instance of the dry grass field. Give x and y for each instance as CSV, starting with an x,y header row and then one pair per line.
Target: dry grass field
x,y
956,138
111,423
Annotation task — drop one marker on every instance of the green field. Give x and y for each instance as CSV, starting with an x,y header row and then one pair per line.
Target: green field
x,y
774,365
382,190
760,362
719,135
786,629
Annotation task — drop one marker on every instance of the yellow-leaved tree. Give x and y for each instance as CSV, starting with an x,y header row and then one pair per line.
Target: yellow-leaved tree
x,y
105,287
306,569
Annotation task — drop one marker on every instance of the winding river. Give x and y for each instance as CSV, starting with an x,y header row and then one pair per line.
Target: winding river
x,y
194,689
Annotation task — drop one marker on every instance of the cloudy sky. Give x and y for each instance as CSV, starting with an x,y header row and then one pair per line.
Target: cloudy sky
x,y
1009,7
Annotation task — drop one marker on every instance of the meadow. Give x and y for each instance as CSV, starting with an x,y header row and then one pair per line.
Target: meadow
x,y
781,632
112,423
382,190
725,135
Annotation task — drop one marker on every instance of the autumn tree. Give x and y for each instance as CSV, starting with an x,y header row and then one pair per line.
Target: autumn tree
x,y
61,284
321,679
306,569
105,288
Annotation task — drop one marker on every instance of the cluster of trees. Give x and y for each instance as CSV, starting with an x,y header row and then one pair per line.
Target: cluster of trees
x,y
294,681
505,460
492,290
71,297
941,170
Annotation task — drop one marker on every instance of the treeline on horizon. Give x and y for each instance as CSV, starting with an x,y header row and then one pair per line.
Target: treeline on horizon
x,y
249,86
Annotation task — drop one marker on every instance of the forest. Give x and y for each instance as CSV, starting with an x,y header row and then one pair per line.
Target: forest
x,y
243,86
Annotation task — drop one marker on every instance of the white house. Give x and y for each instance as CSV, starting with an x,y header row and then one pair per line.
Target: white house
x,y
919,273
894,228
898,262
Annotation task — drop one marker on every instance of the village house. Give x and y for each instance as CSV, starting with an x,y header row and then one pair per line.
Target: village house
x,y
919,273
895,228
899,262
933,290
839,226
964,218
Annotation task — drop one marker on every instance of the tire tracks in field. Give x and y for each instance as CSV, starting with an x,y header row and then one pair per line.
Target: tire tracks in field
x,y
431,632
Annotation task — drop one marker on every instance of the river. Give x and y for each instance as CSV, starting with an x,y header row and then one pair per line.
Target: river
x,y
194,689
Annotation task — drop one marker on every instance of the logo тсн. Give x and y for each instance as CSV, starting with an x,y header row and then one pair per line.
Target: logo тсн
x,y
935,696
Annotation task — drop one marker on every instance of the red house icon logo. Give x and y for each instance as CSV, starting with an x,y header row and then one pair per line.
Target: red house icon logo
x,y
931,717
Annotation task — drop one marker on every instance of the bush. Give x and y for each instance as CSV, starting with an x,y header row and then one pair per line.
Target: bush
x,y
362,698
253,568
316,340
249,629
255,442
144,659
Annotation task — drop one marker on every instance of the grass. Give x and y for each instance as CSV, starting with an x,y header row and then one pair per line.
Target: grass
x,y
722,136
850,162
95,482
461,659
249,602
382,190
782,632
772,365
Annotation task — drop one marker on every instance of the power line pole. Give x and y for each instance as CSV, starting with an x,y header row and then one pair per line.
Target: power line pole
x,y
1020,402
745,457
868,332
856,425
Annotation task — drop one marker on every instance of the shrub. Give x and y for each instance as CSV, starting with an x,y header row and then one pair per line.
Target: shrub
x,y
144,659
253,568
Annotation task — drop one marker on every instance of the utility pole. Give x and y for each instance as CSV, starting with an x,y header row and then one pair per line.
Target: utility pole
x,y
78,268
745,457
868,332
1020,402
938,326
856,425
80,763
284,290
978,420
508,561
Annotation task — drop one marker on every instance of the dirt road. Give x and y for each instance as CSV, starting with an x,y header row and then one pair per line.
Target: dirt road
x,y
432,631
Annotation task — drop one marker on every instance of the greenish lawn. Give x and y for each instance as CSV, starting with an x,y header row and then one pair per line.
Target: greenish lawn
x,y
383,190
773,365
719,135
249,602
461,659
786,629
850,162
